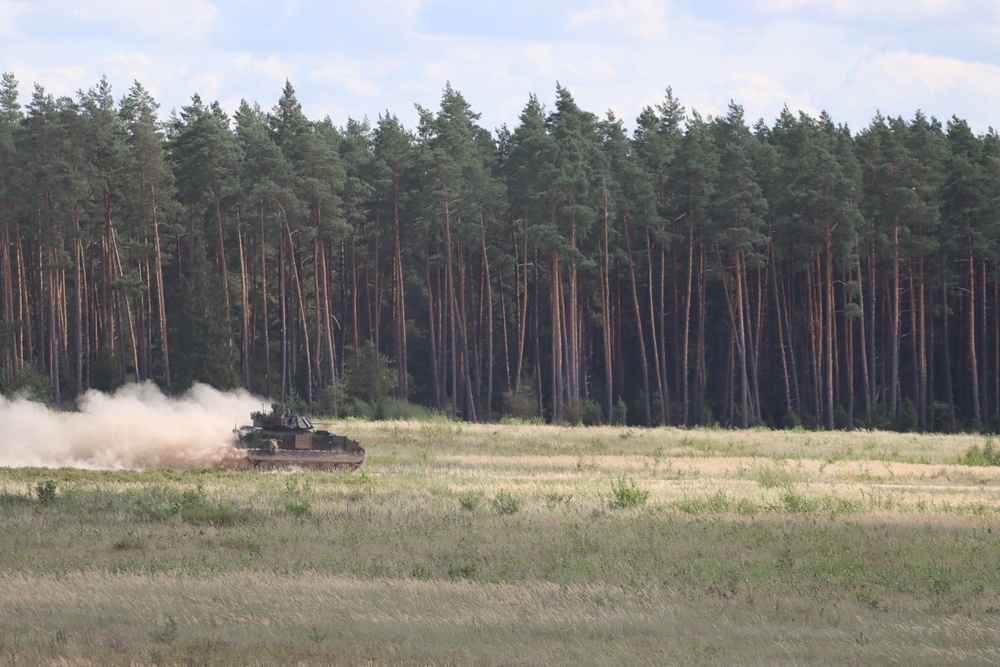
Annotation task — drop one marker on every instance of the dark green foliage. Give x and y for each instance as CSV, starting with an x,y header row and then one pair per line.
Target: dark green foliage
x,y
505,504
371,378
523,405
46,492
168,632
470,500
561,269
198,329
625,494
987,455
33,383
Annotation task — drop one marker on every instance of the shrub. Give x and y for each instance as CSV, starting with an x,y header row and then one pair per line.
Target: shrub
x,y
717,503
370,377
46,492
791,420
987,455
469,501
796,503
400,409
625,494
522,405
504,504
619,413
773,476
592,414
552,499
907,421
33,382
168,632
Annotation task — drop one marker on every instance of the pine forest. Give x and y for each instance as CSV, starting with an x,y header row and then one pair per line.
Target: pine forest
x,y
690,271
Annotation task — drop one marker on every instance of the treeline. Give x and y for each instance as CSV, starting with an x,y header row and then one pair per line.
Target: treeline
x,y
694,271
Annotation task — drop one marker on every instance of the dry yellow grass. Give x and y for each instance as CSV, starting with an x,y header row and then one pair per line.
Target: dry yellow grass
x,y
751,548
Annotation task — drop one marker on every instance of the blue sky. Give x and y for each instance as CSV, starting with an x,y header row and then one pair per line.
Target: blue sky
x,y
850,58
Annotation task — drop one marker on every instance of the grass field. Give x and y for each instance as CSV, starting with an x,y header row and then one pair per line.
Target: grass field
x,y
517,544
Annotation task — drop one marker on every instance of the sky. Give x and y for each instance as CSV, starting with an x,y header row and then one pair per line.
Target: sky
x,y
365,58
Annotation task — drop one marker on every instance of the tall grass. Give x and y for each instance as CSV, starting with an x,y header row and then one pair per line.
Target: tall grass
x,y
461,544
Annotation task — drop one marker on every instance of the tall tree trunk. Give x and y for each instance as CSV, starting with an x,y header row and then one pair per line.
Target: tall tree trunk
x,y
894,325
297,285
555,303
222,256
660,379
485,411
647,416
701,371
399,302
977,419
161,304
604,268
263,300
522,309
946,346
246,348
829,327
686,340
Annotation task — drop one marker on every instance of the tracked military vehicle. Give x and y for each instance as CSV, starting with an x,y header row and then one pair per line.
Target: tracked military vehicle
x,y
282,439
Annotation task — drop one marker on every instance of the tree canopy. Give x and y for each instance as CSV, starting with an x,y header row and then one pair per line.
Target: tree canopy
x,y
696,270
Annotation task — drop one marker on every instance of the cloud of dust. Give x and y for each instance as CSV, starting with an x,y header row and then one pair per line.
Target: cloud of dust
x,y
136,427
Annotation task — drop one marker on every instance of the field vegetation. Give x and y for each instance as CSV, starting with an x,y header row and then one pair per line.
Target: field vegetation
x,y
518,544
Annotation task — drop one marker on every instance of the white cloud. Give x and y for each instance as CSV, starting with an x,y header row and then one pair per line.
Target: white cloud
x,y
271,68
346,76
914,74
9,11
56,80
640,19
912,11
540,59
167,20
766,95
170,82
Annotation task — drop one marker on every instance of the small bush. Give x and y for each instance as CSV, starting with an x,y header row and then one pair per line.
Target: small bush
x,y
299,507
745,507
505,504
717,503
552,499
591,414
625,494
907,421
130,543
370,377
987,455
46,492
773,476
796,503
518,421
522,405
469,501
401,410
168,632
619,413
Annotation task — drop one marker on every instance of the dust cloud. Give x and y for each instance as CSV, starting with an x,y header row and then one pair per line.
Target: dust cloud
x,y
136,427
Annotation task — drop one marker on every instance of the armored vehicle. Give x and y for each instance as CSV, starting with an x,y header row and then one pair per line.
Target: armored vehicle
x,y
282,439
